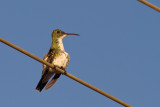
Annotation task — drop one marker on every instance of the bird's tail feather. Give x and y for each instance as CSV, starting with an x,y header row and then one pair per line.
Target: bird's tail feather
x,y
53,81
44,79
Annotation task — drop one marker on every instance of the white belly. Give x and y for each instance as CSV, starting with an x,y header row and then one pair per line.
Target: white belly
x,y
61,60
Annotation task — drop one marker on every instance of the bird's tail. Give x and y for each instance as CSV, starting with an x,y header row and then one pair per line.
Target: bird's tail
x,y
53,81
44,79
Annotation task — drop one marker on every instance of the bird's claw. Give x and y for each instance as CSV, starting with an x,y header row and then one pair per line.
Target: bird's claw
x,y
65,72
55,66
60,68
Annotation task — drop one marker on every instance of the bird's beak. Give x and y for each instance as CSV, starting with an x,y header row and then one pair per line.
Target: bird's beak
x,y
72,34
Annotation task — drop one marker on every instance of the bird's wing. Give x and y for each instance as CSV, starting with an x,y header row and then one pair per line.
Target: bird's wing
x,y
44,79
45,58
46,73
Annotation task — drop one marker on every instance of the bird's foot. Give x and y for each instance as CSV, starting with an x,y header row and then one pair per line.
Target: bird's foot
x,y
55,70
63,70
55,66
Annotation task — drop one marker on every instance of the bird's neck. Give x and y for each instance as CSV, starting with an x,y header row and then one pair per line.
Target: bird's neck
x,y
57,44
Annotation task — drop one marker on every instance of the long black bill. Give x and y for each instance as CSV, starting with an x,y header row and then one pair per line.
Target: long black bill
x,y
72,34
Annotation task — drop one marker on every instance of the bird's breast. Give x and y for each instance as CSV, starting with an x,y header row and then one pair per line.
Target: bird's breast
x,y
61,60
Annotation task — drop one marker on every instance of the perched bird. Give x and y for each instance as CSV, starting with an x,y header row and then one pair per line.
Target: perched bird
x,y
56,56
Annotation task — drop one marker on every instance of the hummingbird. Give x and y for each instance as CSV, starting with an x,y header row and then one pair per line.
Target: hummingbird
x,y
56,56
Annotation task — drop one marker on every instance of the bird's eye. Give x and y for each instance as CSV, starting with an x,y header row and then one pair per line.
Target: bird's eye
x,y
58,31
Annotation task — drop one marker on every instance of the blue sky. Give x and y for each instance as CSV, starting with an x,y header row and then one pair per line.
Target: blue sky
x,y
118,52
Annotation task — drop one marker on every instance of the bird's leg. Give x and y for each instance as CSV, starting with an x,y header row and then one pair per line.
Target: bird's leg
x,y
63,70
55,66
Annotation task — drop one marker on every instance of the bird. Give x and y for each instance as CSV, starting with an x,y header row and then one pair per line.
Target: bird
x,y
56,56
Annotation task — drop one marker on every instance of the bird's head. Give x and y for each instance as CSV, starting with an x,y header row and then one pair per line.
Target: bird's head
x,y
59,34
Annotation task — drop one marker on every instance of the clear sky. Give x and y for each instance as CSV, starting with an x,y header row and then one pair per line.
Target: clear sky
x,y
118,51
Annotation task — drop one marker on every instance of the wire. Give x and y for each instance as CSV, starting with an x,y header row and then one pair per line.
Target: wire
x,y
65,73
150,5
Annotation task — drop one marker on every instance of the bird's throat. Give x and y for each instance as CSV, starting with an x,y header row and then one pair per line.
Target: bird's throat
x,y
57,44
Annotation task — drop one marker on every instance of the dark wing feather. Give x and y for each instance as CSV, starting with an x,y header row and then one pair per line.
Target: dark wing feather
x,y
44,79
